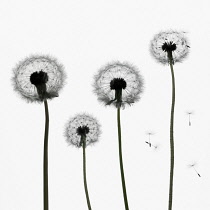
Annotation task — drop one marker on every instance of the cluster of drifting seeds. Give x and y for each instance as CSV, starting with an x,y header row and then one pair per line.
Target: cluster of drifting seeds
x,y
119,84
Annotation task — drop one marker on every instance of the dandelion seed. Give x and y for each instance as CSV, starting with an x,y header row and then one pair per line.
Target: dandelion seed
x,y
36,79
170,47
193,166
119,84
189,113
149,134
81,131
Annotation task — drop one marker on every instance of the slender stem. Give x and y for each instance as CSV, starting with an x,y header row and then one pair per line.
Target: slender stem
x,y
45,163
121,160
84,172
172,136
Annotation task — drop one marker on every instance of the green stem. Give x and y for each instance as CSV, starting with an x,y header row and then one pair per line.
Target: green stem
x,y
121,160
45,163
172,136
84,171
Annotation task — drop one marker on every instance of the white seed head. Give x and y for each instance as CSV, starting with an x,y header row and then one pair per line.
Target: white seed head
x,y
178,39
81,120
132,84
38,63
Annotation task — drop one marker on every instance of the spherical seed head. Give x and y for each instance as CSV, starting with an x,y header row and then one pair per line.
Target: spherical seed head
x,y
167,42
82,125
118,76
38,72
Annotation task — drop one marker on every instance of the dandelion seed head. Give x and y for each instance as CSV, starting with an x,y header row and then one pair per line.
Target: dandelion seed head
x,y
167,42
118,84
82,125
38,77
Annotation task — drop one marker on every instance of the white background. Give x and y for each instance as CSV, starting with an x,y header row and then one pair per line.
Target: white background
x,y
83,36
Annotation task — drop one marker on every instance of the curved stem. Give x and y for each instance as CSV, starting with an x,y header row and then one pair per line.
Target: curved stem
x,y
84,171
121,160
172,136
45,162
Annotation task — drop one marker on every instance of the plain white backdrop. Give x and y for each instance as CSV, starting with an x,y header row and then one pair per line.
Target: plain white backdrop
x,y
83,36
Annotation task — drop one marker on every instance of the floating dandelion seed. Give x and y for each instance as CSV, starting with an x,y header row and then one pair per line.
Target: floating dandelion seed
x,y
149,133
170,47
189,113
81,131
119,84
193,166
36,79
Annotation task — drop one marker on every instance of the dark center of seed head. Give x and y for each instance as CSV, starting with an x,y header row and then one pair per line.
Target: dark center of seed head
x,y
39,78
118,84
169,46
82,130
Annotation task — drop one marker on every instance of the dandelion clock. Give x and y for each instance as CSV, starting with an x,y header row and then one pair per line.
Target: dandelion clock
x,y
170,47
119,85
39,78
81,131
